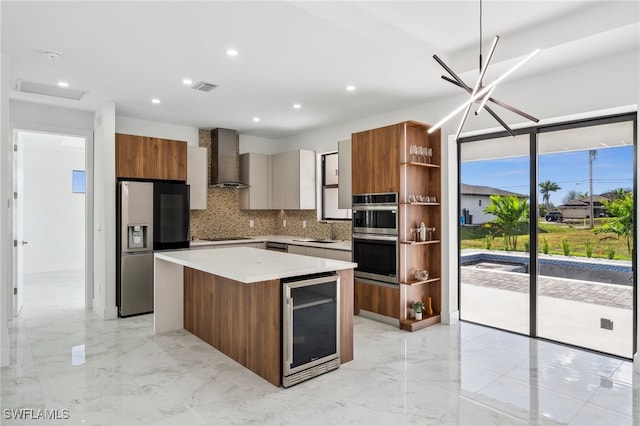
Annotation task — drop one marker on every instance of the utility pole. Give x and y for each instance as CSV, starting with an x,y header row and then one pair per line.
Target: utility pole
x,y
592,156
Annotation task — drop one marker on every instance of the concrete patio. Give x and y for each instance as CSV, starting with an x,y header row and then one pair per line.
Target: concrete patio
x,y
569,310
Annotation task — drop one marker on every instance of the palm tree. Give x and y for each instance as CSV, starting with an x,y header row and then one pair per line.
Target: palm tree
x,y
546,188
511,213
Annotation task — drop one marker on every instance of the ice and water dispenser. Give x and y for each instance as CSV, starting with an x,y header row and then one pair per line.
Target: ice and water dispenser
x,y
137,236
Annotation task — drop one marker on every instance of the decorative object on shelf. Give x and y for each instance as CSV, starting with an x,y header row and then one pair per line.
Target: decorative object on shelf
x,y
411,198
423,232
430,231
421,274
481,93
417,307
429,309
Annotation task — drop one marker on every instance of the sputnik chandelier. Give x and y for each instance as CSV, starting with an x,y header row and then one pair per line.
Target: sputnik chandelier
x,y
479,93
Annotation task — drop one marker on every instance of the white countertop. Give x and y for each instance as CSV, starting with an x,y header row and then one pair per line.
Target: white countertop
x,y
250,265
287,239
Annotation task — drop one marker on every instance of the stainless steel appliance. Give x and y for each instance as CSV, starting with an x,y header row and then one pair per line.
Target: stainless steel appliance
x,y
377,257
375,237
376,213
311,327
171,215
150,216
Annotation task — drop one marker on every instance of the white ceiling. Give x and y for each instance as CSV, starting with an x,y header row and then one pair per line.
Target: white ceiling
x,y
292,52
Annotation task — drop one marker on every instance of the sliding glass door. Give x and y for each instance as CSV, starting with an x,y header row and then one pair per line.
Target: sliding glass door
x,y
494,232
585,234
546,232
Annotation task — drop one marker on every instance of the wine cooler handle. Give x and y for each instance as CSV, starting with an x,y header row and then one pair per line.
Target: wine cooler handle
x,y
290,336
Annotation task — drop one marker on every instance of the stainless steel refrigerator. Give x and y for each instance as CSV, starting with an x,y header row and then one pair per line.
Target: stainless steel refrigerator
x,y
134,291
150,216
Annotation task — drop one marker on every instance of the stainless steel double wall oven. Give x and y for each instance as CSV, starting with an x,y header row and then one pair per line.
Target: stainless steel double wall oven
x,y
375,237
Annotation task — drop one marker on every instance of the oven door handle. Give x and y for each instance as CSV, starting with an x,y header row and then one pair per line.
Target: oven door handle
x,y
374,237
290,333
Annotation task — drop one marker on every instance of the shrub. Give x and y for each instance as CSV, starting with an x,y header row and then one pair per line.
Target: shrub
x,y
565,246
526,246
611,252
545,245
488,241
589,247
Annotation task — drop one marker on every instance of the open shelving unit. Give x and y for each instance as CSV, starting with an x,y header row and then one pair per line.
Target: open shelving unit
x,y
419,178
389,168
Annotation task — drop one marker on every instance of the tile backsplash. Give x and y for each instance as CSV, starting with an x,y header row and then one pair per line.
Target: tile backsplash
x,y
223,217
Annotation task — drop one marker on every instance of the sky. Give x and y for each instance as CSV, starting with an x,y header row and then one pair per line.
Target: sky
x,y
612,168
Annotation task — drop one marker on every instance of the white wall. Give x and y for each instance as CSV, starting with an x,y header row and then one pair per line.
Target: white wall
x,y
134,126
6,231
28,114
53,216
104,215
470,202
259,145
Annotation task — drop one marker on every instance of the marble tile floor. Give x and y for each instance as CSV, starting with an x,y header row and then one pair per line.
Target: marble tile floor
x,y
118,373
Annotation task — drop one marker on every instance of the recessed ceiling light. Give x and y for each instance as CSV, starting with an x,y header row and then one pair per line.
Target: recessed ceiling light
x,y
256,119
187,82
232,52
297,106
351,88
155,101
63,84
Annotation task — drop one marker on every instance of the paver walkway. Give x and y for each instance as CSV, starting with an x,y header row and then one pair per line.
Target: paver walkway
x,y
614,295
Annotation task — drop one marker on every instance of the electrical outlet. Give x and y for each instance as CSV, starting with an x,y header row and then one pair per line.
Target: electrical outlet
x,y
606,323
284,223
250,224
304,223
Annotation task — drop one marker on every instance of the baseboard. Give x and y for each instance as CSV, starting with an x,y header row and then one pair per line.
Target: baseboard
x,y
381,318
452,317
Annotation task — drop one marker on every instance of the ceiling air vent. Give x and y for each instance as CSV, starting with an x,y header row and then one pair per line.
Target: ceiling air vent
x,y
45,89
204,86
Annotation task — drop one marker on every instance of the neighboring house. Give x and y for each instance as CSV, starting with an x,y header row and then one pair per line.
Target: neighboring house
x,y
579,209
474,199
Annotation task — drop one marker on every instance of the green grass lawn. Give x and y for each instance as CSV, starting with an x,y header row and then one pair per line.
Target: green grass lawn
x,y
576,235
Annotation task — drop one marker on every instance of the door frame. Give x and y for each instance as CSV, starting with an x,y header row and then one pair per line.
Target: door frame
x,y
604,117
87,135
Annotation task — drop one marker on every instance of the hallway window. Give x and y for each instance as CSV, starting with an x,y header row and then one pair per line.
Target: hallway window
x,y
78,182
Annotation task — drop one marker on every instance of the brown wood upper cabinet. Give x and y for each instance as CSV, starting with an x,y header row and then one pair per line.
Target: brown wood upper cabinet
x,y
375,158
144,157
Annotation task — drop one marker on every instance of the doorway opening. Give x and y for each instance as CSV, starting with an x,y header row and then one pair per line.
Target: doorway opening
x,y
546,232
49,223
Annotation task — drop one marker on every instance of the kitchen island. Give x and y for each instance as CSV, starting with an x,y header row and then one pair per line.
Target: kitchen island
x,y
232,299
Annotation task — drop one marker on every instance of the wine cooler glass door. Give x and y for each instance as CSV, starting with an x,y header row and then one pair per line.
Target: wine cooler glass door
x,y
311,323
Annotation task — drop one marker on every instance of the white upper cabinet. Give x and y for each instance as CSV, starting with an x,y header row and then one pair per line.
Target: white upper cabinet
x,y
344,166
331,169
293,183
255,171
197,177
279,174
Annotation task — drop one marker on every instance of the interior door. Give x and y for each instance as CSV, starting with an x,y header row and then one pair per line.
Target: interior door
x,y
18,224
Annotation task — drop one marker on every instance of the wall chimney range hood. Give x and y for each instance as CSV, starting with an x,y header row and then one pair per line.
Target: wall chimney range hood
x,y
225,161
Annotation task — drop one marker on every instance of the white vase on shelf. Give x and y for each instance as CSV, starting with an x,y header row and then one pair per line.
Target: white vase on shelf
x,y
418,316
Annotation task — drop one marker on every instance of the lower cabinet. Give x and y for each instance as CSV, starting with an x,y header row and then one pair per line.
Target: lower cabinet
x,y
344,255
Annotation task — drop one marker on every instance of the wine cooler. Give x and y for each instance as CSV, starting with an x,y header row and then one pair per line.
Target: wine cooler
x,y
311,327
